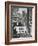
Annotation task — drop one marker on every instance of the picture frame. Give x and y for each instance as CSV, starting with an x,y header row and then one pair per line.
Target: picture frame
x,y
20,22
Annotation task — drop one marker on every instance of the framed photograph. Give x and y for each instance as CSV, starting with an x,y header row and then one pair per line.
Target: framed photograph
x,y
20,22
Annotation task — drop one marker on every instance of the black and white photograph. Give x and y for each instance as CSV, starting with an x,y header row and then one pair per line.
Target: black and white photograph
x,y
21,22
